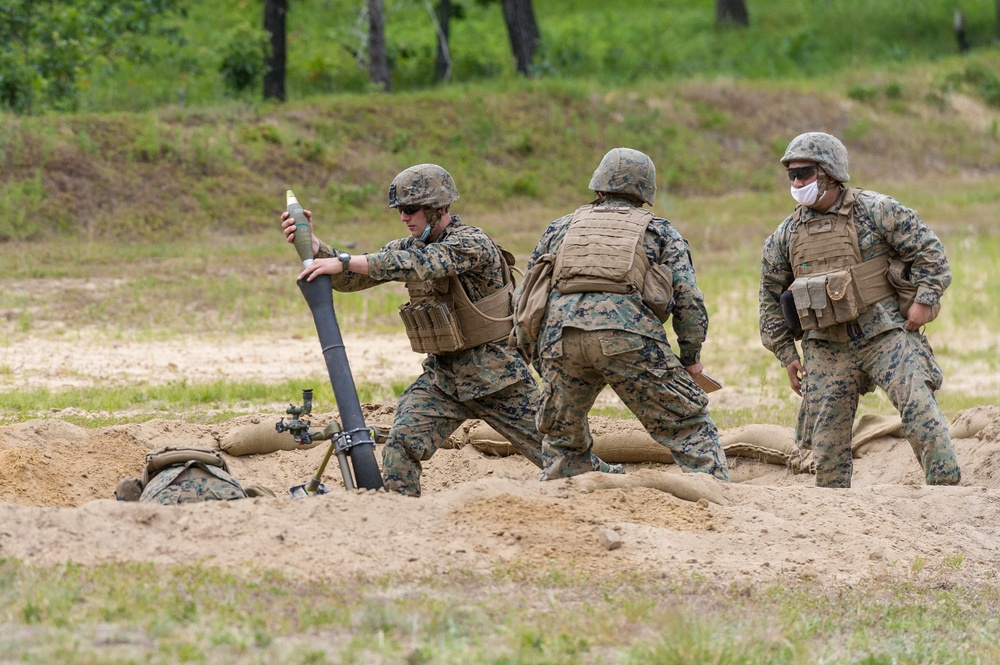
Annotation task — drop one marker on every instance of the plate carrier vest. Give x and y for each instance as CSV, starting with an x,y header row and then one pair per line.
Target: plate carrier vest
x,y
441,318
832,284
602,250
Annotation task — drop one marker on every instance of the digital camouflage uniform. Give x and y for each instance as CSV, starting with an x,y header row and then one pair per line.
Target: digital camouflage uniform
x,y
489,382
590,340
190,483
840,369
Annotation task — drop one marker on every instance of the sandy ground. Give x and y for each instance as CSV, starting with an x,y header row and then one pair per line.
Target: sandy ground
x,y
478,510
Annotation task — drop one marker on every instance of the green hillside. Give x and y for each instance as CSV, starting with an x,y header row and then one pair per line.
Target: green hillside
x,y
614,45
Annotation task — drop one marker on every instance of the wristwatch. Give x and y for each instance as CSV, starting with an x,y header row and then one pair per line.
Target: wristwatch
x,y
345,258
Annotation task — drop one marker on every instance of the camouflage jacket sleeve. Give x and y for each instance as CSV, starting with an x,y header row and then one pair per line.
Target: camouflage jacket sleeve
x,y
351,281
775,277
908,238
459,251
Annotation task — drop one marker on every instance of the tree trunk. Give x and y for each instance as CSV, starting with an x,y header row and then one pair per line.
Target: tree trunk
x,y
734,12
378,66
523,31
442,66
274,73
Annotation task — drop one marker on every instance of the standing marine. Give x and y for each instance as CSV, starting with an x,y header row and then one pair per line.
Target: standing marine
x,y
855,275
617,273
459,314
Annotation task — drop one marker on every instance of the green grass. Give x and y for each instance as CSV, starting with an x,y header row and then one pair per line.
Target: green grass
x,y
920,612
101,405
582,39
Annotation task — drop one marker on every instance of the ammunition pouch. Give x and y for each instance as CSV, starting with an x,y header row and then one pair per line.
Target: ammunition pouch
x,y
441,318
839,296
432,327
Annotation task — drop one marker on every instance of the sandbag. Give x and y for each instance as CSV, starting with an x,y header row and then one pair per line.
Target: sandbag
x,y
485,439
687,486
873,426
970,422
774,444
259,438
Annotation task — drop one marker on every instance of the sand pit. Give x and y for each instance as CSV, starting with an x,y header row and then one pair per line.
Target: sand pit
x,y
480,511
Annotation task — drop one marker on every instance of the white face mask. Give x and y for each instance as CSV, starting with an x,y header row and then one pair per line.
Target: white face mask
x,y
807,195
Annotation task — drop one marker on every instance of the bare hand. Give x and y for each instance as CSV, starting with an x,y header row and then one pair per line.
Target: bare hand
x,y
918,315
332,266
795,373
694,370
288,228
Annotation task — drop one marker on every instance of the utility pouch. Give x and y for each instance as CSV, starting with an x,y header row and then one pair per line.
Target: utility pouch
x,y
843,303
658,291
531,301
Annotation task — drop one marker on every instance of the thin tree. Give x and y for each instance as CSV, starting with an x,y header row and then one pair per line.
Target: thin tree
x,y
274,25
733,12
378,65
523,31
442,19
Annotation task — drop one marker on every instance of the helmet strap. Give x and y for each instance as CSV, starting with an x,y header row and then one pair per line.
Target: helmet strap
x,y
433,216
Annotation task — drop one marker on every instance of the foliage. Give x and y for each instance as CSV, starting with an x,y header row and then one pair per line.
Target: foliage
x,y
47,47
243,58
653,40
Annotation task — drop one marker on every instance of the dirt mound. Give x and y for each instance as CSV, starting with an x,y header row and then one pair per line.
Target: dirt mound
x,y
479,511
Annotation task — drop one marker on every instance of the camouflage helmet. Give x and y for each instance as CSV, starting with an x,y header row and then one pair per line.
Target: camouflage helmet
x,y
626,171
824,149
423,185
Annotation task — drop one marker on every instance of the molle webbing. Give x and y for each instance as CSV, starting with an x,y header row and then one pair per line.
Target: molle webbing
x,y
441,318
825,243
602,250
832,284
475,319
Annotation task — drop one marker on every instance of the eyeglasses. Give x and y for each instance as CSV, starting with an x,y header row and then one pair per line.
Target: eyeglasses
x,y
801,173
410,210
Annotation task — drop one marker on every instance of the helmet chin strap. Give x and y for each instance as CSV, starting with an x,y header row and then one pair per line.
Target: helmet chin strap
x,y
426,234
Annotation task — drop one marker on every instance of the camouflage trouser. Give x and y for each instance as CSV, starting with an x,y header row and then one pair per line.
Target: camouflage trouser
x,y
426,416
649,379
191,483
837,374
